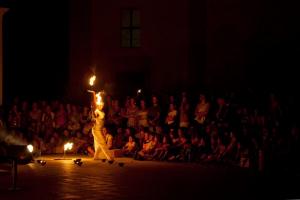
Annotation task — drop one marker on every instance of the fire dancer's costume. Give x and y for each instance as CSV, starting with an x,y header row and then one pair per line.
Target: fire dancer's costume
x,y
101,150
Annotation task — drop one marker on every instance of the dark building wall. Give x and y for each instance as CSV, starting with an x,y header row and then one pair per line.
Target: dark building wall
x,y
244,43
230,25
274,50
197,42
160,63
222,44
79,46
162,59
252,44
201,43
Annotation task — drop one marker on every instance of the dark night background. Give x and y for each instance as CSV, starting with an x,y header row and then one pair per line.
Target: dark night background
x,y
36,47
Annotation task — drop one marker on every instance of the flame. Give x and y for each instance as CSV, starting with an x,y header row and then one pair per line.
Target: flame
x,y
30,148
99,99
68,146
92,80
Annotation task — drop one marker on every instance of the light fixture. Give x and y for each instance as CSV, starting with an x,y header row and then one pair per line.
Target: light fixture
x,y
41,162
30,148
78,162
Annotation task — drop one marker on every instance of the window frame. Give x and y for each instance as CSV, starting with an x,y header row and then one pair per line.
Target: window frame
x,y
131,28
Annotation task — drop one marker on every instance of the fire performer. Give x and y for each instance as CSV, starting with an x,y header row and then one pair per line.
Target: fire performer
x,y
101,149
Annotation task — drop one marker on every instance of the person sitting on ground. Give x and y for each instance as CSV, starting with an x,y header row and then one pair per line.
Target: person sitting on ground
x,y
231,150
148,147
174,149
183,146
119,139
161,151
218,151
108,138
130,147
80,143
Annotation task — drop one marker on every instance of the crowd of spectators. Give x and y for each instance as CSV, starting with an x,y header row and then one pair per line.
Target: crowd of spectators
x,y
251,131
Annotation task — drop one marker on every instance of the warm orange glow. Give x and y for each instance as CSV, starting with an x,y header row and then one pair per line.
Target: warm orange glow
x,y
98,99
68,146
30,148
92,80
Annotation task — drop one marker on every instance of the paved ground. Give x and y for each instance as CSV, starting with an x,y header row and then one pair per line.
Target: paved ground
x,y
62,179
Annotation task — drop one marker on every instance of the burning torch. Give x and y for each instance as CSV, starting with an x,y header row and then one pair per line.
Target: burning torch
x,y
97,96
67,146
91,83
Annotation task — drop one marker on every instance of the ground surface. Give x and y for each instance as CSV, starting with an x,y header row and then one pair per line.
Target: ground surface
x,y
62,179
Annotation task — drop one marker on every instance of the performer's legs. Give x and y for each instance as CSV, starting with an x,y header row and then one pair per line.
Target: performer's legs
x,y
101,147
96,147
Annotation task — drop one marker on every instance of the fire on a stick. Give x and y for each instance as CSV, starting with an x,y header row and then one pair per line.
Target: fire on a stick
x,y
98,95
92,80
68,146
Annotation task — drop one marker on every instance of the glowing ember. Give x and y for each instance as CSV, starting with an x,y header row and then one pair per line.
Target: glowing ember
x,y
92,80
68,146
30,148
